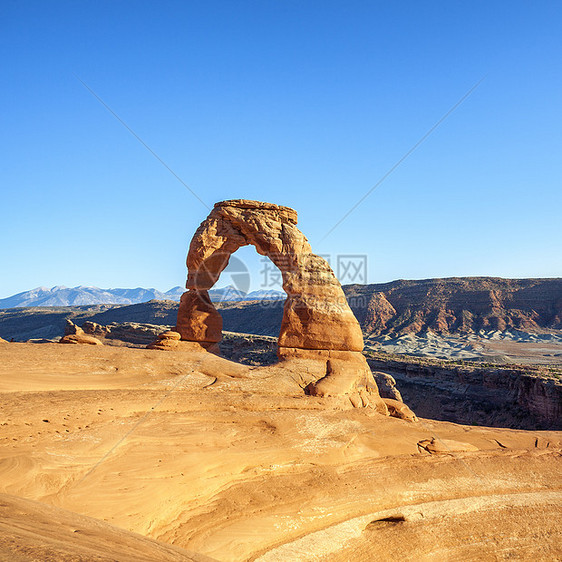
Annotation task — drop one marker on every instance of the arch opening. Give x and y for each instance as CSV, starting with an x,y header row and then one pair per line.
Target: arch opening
x,y
249,298
252,285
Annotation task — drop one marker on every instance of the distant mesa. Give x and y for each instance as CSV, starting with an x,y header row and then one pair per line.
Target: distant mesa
x,y
458,305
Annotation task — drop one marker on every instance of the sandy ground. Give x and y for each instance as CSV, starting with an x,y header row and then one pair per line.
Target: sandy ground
x,y
235,463
493,347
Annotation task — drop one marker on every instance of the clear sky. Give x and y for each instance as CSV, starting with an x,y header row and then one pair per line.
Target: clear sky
x,y
301,103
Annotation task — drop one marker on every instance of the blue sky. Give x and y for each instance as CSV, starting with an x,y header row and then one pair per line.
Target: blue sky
x,y
306,104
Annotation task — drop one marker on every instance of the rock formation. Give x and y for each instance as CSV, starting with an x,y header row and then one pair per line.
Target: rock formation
x,y
513,396
387,386
74,334
165,341
131,332
397,409
316,314
318,327
95,329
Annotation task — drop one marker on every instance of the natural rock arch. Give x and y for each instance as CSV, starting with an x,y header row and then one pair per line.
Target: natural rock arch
x,y
320,337
316,314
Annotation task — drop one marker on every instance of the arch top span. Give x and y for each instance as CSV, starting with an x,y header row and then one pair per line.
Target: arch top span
x,y
289,213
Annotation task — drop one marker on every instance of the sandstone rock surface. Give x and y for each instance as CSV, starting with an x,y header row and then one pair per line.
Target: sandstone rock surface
x,y
397,409
198,319
236,463
444,446
387,386
95,329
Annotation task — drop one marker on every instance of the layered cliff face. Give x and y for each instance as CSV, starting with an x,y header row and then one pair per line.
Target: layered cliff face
x,y
514,396
466,304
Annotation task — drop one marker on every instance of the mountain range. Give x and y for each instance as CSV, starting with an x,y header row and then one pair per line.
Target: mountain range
x,y
452,305
84,296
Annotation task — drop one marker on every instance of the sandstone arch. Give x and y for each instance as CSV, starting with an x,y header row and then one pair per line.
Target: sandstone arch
x,y
318,325
316,313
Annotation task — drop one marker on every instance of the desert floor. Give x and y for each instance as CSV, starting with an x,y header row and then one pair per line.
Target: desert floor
x,y
110,453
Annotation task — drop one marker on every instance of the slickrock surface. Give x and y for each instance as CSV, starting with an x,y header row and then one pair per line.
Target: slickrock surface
x,y
237,463
31,530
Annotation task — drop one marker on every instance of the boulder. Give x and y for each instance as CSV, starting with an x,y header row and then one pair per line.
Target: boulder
x,y
397,409
71,328
387,386
80,338
94,329
166,341
133,332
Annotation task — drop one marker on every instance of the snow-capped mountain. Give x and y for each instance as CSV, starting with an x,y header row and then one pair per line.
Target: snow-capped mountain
x,y
81,296
231,293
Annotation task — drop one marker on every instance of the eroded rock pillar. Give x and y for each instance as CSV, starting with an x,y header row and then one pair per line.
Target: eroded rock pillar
x,y
198,319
